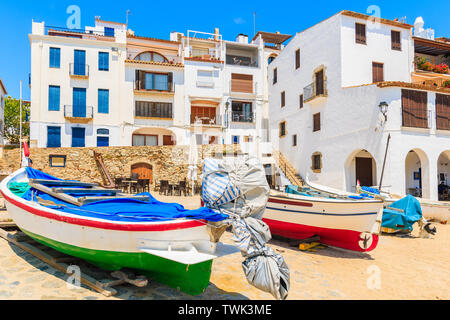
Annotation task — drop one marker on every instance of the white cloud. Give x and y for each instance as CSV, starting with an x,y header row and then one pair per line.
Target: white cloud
x,y
239,20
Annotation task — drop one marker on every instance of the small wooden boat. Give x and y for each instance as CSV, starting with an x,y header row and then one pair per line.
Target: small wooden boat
x,y
348,222
178,252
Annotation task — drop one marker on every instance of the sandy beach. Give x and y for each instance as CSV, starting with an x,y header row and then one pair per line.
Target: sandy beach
x,y
399,268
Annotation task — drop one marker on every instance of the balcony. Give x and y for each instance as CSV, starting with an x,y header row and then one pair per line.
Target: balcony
x,y
81,114
79,71
206,121
315,93
247,117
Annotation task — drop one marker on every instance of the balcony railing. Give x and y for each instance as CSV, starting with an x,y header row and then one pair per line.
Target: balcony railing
x,y
206,121
312,91
241,61
247,117
82,112
79,70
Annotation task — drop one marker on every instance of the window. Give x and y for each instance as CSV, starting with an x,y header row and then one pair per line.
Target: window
x,y
53,98
301,101
103,101
150,56
275,75
79,66
199,52
270,60
205,78
360,33
79,102
414,109
316,122
297,59
283,99
282,128
153,81
145,140
248,139
153,109
294,140
53,137
240,60
78,137
57,161
377,72
241,83
109,32
102,141
442,111
55,57
316,162
320,82
235,139
103,61
396,43
242,111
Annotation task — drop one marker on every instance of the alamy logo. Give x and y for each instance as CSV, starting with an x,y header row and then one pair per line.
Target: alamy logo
x,y
74,20
374,279
73,281
375,15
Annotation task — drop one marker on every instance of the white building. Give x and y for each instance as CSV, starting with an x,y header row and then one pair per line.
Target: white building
x,y
329,89
108,86
3,93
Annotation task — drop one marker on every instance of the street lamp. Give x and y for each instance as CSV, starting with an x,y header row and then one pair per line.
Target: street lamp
x,y
383,109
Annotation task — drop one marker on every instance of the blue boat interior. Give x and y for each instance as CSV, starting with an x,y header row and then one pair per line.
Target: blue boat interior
x,y
119,209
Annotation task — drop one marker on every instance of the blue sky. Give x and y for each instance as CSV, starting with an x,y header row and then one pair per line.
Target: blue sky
x,y
159,18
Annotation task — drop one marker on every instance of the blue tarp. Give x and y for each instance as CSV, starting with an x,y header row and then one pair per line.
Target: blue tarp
x,y
129,210
291,189
398,220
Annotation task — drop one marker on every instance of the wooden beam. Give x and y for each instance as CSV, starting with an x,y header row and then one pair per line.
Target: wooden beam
x,y
61,196
90,191
86,200
63,183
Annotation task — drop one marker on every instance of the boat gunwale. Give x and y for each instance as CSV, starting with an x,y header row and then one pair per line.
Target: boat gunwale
x,y
296,197
49,213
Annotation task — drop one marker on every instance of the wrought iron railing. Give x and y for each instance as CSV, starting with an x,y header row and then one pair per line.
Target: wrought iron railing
x,y
313,90
79,69
247,117
78,112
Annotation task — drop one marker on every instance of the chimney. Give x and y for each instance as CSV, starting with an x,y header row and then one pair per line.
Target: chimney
x,y
216,34
242,38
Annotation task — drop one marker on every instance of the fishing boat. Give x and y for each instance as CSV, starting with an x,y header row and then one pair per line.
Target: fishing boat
x,y
112,230
431,210
346,221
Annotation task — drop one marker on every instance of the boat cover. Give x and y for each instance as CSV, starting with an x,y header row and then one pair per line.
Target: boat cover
x,y
238,188
412,212
128,209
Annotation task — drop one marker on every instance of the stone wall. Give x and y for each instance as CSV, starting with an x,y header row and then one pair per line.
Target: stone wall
x,y
168,162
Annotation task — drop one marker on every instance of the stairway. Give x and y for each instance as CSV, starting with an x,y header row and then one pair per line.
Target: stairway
x,y
288,169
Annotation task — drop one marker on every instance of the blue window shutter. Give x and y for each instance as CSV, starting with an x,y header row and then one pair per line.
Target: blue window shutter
x,y
53,98
79,102
103,61
78,137
55,57
102,141
103,101
79,67
109,32
53,137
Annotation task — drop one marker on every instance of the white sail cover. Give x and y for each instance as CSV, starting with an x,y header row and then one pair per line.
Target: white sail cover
x,y
239,188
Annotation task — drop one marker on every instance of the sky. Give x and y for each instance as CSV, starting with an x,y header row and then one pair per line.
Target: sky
x,y
158,18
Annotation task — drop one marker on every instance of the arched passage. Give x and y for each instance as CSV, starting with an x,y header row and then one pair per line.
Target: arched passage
x,y
417,174
360,166
443,166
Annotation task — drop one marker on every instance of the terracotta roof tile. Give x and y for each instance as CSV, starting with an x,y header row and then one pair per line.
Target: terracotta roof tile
x,y
386,84
384,21
150,38
203,60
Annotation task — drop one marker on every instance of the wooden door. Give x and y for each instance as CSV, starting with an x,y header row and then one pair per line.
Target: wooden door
x,y
143,170
319,83
364,171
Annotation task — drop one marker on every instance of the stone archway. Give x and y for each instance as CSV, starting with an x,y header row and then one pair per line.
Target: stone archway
x,y
443,167
417,173
360,166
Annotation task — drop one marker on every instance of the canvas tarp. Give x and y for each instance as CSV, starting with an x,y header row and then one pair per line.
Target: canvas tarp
x,y
238,188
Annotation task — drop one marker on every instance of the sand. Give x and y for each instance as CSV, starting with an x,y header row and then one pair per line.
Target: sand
x,y
399,268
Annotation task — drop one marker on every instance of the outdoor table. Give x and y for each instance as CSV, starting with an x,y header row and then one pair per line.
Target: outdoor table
x,y
130,182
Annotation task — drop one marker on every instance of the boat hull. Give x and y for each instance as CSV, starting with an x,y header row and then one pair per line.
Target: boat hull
x,y
431,210
116,245
350,225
